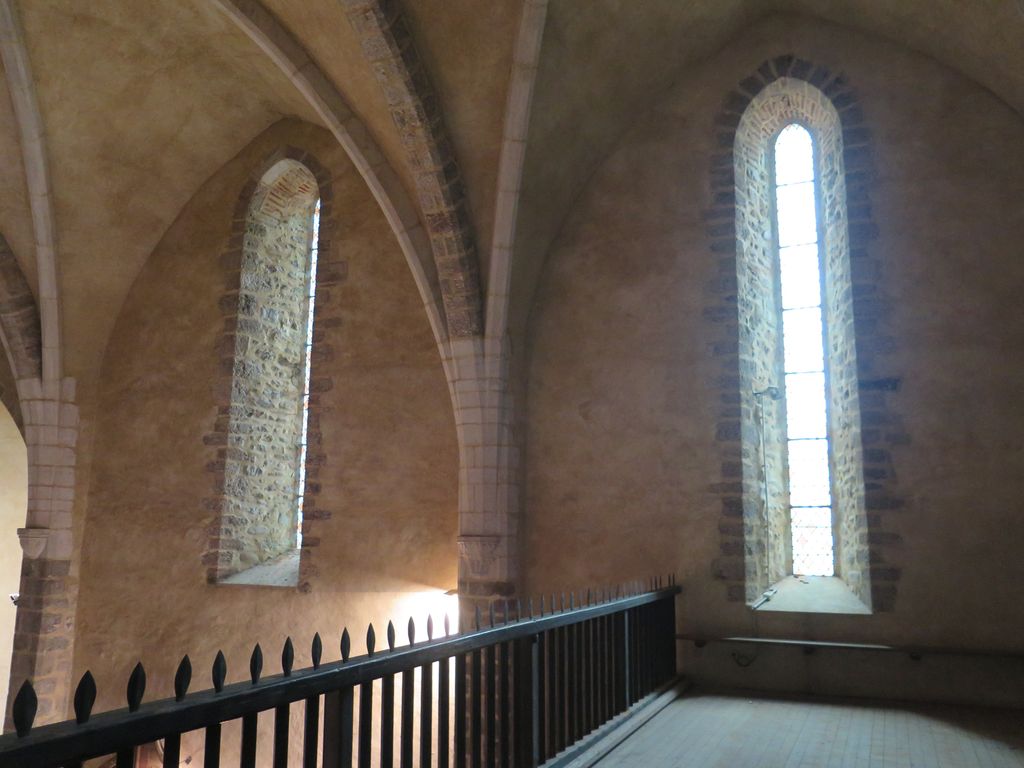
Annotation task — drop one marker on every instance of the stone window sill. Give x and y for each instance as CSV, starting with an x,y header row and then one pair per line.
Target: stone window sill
x,y
813,594
282,571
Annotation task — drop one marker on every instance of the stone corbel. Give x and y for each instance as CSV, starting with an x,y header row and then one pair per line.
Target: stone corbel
x,y
33,541
478,553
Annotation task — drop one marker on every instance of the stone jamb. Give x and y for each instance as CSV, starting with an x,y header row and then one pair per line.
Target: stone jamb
x,y
882,433
331,270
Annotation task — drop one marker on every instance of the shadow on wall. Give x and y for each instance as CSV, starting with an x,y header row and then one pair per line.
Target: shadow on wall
x,y
13,504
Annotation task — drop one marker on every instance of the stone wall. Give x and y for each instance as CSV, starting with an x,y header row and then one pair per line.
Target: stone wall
x,y
631,460
380,519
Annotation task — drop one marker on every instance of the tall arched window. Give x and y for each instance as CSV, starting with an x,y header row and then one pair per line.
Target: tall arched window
x,y
803,353
265,465
803,487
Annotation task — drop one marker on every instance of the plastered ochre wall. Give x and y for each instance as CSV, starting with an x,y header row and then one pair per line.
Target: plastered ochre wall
x,y
389,482
622,397
13,508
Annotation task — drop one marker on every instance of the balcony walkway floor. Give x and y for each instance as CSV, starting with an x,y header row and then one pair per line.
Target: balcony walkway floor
x,y
723,730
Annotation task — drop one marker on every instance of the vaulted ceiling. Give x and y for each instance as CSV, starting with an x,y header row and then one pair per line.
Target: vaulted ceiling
x,y
142,101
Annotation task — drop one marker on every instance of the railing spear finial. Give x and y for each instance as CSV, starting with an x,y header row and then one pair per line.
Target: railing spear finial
x,y
85,697
391,635
317,650
24,710
371,640
136,687
476,619
490,614
412,631
256,664
447,626
287,657
182,678
220,671
430,627
346,644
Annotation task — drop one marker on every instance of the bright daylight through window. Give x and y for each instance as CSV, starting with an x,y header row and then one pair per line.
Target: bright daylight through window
x,y
807,440
300,495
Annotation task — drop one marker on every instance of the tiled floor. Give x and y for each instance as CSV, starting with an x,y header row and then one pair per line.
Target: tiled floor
x,y
737,731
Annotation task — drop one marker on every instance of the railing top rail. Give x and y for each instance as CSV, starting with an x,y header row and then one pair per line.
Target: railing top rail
x,y
122,729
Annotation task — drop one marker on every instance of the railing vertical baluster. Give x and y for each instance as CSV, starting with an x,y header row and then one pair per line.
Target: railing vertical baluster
x,y
570,684
365,723
504,710
172,750
564,690
578,672
460,711
525,700
671,635
405,733
609,667
248,758
282,718
426,713
311,735
554,688
443,715
602,669
539,711
126,758
648,650
387,721
211,749
598,703
586,636
476,679
626,664
338,711
490,717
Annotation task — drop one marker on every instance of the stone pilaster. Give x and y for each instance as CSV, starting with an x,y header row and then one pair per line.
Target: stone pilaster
x,y
44,629
488,475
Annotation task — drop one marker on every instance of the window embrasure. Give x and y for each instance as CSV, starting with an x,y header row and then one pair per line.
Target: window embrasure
x,y
264,472
803,491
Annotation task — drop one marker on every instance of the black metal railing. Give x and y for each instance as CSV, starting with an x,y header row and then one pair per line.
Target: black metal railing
x,y
516,691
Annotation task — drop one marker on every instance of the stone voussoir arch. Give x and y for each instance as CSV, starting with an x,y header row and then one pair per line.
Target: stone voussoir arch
x,y
389,47
882,425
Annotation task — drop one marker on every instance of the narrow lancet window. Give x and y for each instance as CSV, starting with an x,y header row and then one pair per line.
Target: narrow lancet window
x,y
803,486
307,359
803,344
269,422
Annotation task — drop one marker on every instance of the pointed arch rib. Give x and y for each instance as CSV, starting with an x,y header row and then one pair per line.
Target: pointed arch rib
x,y
18,71
513,155
274,39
